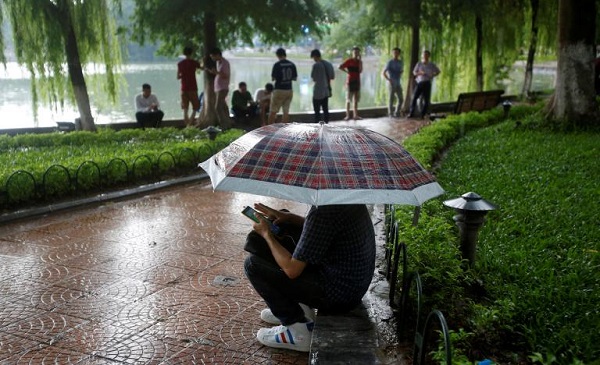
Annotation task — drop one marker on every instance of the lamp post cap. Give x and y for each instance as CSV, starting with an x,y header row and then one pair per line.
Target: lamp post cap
x,y
470,202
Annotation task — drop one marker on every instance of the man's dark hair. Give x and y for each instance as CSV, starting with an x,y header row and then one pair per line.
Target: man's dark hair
x,y
187,51
396,49
280,52
241,84
146,86
315,53
269,87
216,51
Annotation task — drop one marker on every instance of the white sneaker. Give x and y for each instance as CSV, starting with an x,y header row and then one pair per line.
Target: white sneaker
x,y
295,337
267,316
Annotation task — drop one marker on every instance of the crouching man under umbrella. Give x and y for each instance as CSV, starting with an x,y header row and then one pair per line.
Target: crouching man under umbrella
x,y
323,261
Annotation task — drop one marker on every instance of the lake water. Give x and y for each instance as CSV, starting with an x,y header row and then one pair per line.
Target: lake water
x,y
17,111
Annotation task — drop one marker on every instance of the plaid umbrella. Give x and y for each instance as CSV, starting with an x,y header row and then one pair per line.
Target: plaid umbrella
x,y
321,164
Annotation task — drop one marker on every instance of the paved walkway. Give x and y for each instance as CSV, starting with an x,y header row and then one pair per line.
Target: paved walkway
x,y
155,279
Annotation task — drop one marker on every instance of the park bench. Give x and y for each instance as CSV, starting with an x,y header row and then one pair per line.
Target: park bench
x,y
477,101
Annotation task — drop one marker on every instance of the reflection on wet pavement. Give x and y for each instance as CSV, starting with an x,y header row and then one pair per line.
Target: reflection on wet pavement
x,y
149,280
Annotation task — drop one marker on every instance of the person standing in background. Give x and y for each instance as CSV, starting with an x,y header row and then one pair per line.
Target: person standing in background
x,y
353,67
393,73
221,86
424,72
186,72
322,73
283,73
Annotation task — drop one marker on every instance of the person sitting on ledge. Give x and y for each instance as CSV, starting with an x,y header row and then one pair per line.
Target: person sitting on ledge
x,y
242,105
147,108
323,261
262,97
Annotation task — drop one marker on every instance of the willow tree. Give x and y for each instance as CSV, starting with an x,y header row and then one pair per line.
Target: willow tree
x,y
542,36
206,24
574,103
51,34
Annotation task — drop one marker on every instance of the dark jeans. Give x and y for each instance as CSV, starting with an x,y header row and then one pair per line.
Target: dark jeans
x,y
281,293
423,89
317,105
151,119
244,113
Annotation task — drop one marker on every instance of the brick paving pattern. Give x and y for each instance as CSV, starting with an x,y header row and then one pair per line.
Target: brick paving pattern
x,y
156,279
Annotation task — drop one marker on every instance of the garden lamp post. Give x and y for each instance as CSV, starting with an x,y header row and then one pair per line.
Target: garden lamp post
x,y
471,210
506,105
212,132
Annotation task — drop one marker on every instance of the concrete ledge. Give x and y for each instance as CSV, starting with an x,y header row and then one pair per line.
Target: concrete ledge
x,y
346,339
367,334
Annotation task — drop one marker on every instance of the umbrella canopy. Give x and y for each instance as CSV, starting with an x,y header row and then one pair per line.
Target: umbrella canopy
x,y
321,164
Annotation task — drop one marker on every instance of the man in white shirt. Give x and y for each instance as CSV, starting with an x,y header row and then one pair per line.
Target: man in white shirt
x,y
147,108
263,98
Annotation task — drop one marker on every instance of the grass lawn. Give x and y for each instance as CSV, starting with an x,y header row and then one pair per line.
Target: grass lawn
x,y
537,272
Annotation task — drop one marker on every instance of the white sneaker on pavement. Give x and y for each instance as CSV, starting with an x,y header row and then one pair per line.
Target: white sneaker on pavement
x,y
267,316
295,337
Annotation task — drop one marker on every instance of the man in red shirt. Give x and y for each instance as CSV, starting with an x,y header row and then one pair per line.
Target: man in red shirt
x,y
353,67
186,72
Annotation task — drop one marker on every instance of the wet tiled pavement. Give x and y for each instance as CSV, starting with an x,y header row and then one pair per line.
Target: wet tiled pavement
x,y
154,279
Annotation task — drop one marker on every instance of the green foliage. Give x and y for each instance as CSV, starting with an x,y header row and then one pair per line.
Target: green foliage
x,y
535,276
447,28
238,21
426,145
56,163
40,30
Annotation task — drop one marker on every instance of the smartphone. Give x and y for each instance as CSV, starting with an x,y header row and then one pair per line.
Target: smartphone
x,y
252,214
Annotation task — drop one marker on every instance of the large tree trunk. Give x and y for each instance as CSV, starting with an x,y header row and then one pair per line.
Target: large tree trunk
x,y
574,102
535,4
479,53
415,55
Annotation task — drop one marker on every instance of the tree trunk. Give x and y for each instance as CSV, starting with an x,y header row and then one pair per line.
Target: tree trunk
x,y
78,82
414,54
479,53
535,4
208,117
74,68
574,103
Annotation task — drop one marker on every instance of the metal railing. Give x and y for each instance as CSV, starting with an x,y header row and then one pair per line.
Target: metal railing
x,y
411,285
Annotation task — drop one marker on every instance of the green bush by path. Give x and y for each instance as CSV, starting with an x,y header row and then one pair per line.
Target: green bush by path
x,y
535,287
84,158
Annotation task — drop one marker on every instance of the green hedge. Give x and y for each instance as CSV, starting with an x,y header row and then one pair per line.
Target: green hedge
x,y
533,292
37,168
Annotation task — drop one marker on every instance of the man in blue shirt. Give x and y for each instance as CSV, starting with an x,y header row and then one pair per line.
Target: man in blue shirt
x,y
330,268
283,73
393,73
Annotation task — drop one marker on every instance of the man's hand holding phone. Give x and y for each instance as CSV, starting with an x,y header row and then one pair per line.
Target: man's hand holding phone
x,y
259,218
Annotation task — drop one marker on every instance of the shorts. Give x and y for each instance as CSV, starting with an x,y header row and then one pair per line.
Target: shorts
x,y
352,95
281,99
188,97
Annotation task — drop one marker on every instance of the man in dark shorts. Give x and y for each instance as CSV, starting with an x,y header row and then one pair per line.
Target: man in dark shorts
x,y
186,72
353,67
